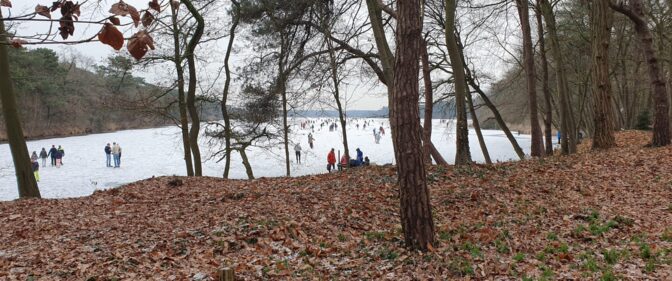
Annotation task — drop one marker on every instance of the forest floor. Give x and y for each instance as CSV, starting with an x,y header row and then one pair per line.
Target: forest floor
x,y
596,215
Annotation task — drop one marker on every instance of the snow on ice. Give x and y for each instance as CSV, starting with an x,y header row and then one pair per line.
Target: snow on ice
x,y
158,152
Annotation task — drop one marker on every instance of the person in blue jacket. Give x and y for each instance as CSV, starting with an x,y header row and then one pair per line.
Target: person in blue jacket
x,y
360,157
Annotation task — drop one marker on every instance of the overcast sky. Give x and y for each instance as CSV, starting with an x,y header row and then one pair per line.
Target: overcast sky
x,y
366,95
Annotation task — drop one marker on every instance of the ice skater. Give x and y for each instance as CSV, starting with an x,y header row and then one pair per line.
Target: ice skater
x,y
297,151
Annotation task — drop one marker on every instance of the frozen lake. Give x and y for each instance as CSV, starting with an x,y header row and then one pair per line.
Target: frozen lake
x,y
158,152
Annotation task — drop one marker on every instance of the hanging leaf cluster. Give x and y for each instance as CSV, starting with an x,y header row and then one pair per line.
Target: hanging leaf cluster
x,y
138,45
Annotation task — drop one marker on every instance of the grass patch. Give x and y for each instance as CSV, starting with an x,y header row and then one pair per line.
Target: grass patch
x,y
519,257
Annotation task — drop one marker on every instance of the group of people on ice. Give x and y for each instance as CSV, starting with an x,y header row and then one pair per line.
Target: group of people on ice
x,y
113,152
56,155
360,160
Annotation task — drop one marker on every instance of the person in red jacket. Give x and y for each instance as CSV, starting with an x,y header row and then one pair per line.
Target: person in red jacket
x,y
331,161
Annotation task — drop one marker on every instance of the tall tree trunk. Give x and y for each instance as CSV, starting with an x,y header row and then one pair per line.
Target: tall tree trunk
x,y
477,128
387,60
285,126
567,124
537,149
548,120
601,21
334,79
191,91
227,83
429,104
661,120
182,105
462,155
416,211
25,178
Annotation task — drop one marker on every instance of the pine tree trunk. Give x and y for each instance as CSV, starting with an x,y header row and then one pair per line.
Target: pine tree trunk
x,y
548,120
429,104
227,83
182,105
537,149
416,211
191,90
567,124
601,21
25,178
462,154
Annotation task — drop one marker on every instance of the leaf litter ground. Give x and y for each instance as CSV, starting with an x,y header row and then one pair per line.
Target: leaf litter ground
x,y
596,215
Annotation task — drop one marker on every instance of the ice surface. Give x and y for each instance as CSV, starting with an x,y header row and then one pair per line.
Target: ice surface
x,y
158,152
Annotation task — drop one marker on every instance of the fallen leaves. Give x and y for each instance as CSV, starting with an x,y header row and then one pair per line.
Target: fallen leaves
x,y
346,225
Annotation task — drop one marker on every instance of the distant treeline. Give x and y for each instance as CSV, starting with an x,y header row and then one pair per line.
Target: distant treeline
x,y
62,99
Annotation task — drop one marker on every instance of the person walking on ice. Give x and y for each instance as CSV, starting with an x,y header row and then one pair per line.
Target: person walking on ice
x,y
36,170
33,157
44,155
331,161
116,153
310,140
52,152
61,152
108,156
297,151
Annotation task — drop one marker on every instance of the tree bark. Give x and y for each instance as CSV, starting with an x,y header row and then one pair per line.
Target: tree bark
x,y
567,124
477,128
661,122
601,21
227,82
429,104
462,155
416,211
548,120
537,149
191,90
246,163
25,178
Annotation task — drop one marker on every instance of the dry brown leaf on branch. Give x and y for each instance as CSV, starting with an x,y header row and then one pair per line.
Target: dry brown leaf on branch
x,y
67,26
123,9
6,3
147,19
110,35
139,44
43,11
154,4
18,43
115,20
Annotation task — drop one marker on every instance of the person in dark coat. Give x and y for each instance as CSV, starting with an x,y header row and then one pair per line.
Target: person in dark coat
x,y
52,152
43,156
108,155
